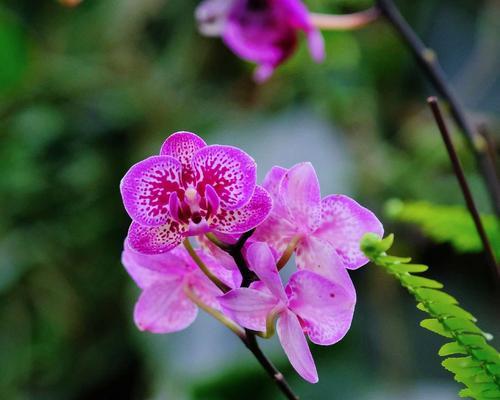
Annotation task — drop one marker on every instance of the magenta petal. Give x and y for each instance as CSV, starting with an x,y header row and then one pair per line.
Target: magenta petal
x,y
247,217
261,261
182,146
295,345
164,308
155,239
248,307
146,189
319,256
324,307
301,193
230,171
344,222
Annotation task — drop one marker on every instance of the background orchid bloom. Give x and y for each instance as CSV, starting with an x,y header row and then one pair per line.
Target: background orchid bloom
x,y
190,189
163,305
261,31
309,304
327,231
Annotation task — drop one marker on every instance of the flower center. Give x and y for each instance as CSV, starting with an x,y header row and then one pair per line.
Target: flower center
x,y
192,208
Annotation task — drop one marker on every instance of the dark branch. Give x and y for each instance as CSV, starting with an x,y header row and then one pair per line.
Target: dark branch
x,y
250,340
459,173
427,60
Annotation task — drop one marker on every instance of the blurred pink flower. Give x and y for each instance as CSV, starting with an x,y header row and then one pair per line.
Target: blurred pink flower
x,y
327,231
261,31
163,305
191,189
309,304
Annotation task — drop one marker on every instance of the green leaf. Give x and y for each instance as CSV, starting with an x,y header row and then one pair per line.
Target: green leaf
x,y
435,326
451,348
462,325
452,224
450,310
413,268
466,393
463,366
418,281
436,296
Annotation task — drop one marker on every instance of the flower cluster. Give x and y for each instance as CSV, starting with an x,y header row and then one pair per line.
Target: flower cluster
x,y
261,31
210,193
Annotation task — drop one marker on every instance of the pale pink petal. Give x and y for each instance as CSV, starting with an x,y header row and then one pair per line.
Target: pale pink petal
x,y
147,270
261,261
263,72
272,182
316,45
295,345
164,308
247,217
344,223
146,189
301,193
248,307
229,170
228,273
205,289
155,239
319,256
211,16
182,146
324,307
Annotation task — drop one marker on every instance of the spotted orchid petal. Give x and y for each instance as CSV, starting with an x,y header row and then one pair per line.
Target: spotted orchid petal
x,y
146,189
155,239
301,194
248,307
247,217
230,171
344,223
261,261
164,308
325,308
295,345
320,257
182,146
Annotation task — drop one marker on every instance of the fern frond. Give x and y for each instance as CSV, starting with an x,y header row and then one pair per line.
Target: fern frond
x,y
469,357
445,223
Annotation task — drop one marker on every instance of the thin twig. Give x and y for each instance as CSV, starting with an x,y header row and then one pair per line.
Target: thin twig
x,y
250,340
428,62
459,173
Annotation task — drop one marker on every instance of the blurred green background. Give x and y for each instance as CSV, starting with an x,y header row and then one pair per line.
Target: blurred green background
x,y
87,91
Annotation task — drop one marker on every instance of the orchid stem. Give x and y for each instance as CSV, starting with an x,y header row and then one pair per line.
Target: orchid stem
x,y
219,243
287,253
196,258
428,62
344,22
215,313
250,340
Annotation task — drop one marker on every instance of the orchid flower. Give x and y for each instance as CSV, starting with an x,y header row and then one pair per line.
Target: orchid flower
x,y
261,31
324,233
190,189
166,280
309,305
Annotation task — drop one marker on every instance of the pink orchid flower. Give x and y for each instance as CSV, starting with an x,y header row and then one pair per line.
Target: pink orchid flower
x,y
190,189
164,305
261,31
309,305
327,231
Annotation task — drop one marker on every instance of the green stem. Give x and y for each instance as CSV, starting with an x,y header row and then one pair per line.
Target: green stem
x,y
196,258
214,313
